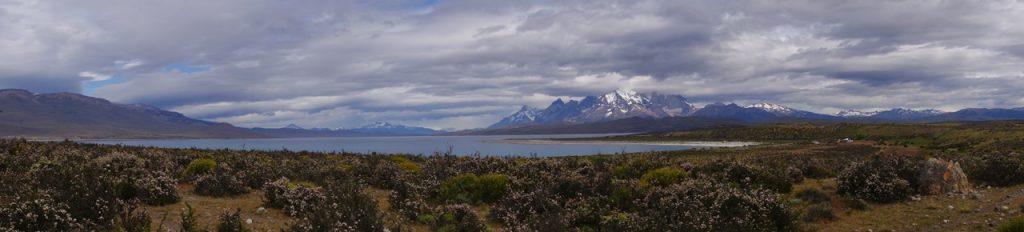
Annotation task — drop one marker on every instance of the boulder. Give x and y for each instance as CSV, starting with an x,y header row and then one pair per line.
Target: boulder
x,y
941,177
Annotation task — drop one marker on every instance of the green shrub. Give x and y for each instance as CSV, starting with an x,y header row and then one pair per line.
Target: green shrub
x,y
633,168
813,196
199,167
406,164
819,212
995,169
491,187
470,188
189,222
624,193
663,177
132,221
425,219
855,203
459,218
1013,225
231,222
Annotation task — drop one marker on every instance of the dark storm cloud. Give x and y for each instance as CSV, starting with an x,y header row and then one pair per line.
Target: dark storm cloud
x,y
467,63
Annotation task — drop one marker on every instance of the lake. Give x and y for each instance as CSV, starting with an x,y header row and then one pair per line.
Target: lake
x,y
486,145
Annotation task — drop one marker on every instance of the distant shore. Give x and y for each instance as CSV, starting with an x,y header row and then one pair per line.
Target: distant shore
x,y
663,143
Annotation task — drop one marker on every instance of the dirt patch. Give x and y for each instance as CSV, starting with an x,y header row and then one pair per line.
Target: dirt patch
x,y
208,209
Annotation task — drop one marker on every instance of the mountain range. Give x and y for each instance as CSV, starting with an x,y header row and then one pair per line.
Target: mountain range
x,y
70,115
623,104
615,105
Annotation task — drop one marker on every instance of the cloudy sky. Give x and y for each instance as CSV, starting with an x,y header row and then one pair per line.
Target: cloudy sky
x,y
465,64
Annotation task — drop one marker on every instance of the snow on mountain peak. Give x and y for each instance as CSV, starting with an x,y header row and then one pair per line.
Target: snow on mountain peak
x,y
293,126
526,113
382,125
627,95
854,113
771,107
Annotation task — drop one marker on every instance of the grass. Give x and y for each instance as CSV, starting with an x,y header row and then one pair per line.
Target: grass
x,y
930,213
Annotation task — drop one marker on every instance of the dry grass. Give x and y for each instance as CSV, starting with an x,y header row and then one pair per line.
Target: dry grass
x,y
208,210
930,213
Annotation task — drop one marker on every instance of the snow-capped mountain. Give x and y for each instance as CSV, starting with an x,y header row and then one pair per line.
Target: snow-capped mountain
x,y
382,125
772,108
293,126
733,111
905,114
385,128
618,104
892,114
787,112
525,115
756,112
849,113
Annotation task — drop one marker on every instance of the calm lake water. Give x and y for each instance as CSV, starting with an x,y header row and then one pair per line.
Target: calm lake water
x,y
489,145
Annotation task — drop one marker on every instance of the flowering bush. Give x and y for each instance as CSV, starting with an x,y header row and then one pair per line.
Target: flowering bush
x,y
746,176
703,205
458,218
344,208
220,183
91,187
41,214
157,188
995,169
880,179
292,198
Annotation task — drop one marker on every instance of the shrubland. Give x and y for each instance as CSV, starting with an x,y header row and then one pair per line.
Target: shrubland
x,y
67,186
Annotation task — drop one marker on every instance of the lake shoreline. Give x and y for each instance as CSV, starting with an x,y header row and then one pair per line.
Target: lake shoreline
x,y
628,142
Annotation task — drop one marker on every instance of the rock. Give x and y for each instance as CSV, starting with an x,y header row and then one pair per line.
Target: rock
x,y
261,210
248,221
943,177
950,207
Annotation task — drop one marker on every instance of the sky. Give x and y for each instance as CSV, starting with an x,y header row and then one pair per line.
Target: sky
x,y
466,64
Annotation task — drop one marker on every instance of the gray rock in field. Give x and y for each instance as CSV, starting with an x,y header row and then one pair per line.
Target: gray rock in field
x,y
943,177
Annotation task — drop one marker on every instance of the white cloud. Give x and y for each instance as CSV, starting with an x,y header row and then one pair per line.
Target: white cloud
x,y
465,64
94,76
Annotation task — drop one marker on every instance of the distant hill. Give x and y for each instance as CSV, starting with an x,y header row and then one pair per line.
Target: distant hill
x,y
376,129
69,115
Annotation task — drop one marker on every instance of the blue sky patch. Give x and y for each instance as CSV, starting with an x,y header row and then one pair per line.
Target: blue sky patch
x,y
185,68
